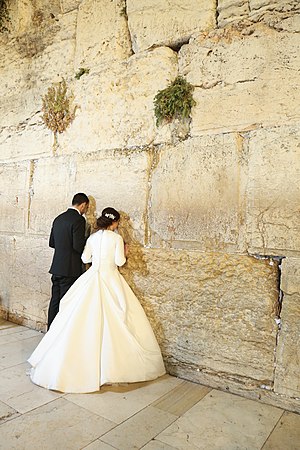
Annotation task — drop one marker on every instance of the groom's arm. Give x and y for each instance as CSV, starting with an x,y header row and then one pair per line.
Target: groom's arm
x,y
51,239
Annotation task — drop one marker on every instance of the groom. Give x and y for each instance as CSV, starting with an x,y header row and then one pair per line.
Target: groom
x,y
68,239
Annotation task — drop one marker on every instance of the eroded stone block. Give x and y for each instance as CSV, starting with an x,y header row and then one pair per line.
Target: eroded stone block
x,y
30,65
242,81
14,183
167,23
30,280
196,194
51,192
222,308
273,191
102,33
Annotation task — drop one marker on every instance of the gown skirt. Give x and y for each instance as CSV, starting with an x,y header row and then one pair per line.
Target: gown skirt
x,y
101,335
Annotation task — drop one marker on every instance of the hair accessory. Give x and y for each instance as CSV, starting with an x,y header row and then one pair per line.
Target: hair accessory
x,y
110,216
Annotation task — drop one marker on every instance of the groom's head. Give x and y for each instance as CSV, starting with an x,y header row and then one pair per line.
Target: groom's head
x,y
81,202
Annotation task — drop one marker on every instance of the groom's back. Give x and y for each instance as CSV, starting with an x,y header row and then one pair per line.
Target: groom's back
x,y
67,238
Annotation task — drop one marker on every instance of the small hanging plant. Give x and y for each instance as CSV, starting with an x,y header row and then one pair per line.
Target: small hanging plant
x,y
81,71
174,102
58,112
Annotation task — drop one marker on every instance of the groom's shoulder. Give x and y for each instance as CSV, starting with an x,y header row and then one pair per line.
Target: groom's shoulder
x,y
70,215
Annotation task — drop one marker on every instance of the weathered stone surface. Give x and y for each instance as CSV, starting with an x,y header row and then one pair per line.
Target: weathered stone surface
x,y
269,11
116,103
26,80
25,16
288,350
14,181
69,5
239,79
168,23
119,180
273,221
197,193
30,280
231,10
102,33
52,184
291,24
222,308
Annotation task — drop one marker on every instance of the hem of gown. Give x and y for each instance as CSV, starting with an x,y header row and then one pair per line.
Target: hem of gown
x,y
96,388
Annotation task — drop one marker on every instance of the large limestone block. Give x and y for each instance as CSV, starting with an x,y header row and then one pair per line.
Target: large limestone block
x,y
30,291
287,379
102,33
273,191
14,184
51,192
25,80
197,191
116,103
239,79
168,23
213,313
117,179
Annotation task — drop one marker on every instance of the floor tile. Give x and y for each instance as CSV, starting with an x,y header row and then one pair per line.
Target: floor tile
x,y
99,445
117,403
157,445
222,421
57,425
17,336
20,393
139,429
286,435
6,412
17,352
182,398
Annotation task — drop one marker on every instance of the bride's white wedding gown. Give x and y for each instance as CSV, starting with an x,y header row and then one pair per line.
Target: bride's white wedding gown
x,y
101,333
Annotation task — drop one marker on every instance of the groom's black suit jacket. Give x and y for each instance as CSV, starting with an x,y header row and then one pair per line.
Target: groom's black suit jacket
x,y
68,239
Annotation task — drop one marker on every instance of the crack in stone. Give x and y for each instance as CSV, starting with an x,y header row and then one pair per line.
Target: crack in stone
x,y
125,14
30,190
154,158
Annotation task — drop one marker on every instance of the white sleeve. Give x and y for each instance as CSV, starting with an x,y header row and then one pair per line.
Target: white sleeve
x,y
119,253
87,253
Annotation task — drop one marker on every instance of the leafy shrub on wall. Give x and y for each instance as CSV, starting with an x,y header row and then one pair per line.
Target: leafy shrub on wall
x,y
174,102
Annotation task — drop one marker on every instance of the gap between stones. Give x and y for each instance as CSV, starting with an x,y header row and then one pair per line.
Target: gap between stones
x,y
278,308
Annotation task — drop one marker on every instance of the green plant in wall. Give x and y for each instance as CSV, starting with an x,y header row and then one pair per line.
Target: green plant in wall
x,y
58,112
4,16
81,71
174,102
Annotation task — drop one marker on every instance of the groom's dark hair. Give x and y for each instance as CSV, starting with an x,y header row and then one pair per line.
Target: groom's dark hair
x,y
80,198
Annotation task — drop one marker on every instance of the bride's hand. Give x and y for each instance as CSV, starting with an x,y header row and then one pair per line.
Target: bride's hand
x,y
126,249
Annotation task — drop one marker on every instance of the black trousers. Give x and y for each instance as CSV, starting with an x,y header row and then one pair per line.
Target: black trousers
x,y
60,285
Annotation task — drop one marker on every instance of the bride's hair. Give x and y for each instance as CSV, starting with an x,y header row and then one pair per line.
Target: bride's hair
x,y
108,216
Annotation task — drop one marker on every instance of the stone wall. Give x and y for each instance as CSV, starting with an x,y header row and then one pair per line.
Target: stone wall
x,y
210,206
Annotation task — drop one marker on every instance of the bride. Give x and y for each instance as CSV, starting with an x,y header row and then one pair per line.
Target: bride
x,y
101,333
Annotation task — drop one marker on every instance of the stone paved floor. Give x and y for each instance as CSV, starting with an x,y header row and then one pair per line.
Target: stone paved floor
x,y
165,414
